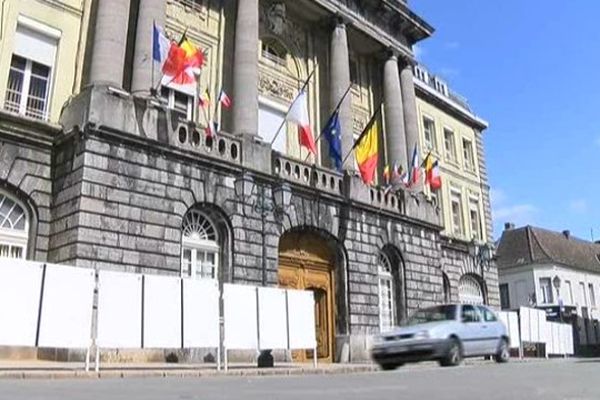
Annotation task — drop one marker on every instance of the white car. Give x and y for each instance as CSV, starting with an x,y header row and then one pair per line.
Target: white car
x,y
446,333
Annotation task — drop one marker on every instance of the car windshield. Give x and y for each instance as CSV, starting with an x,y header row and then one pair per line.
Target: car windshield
x,y
433,314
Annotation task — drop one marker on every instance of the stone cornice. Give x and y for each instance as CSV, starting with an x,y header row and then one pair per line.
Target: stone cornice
x,y
23,130
450,106
410,25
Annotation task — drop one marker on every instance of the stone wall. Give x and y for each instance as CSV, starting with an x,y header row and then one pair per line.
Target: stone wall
x,y
25,172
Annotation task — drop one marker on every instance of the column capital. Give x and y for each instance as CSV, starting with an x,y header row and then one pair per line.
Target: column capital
x,y
407,61
391,53
339,20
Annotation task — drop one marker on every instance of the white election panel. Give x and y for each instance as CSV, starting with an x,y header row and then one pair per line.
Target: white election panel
x,y
525,324
534,326
162,311
567,338
200,313
301,314
545,328
20,286
240,317
67,307
272,323
119,310
515,337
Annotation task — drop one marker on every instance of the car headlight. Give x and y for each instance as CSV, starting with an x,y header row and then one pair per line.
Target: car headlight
x,y
421,335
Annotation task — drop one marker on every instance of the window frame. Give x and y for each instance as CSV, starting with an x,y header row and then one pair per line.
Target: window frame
x,y
169,97
547,295
504,296
385,275
11,238
592,295
477,314
198,246
457,228
450,153
432,143
468,155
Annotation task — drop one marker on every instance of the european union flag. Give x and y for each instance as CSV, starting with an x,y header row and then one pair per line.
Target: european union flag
x,y
332,133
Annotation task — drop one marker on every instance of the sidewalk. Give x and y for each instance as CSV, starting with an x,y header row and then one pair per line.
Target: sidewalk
x,y
31,369
37,369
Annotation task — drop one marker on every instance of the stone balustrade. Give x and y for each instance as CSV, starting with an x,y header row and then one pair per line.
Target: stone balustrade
x,y
192,137
307,175
387,200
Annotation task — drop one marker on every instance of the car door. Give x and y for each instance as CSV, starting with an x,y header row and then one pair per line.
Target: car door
x,y
471,332
491,330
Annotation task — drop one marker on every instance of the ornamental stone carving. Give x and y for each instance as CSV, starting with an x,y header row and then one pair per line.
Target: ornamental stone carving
x,y
271,86
274,20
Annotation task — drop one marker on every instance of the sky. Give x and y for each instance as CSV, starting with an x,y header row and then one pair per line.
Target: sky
x,y
531,68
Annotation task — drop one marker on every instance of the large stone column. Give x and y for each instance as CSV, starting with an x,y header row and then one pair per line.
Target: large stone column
x,y
339,80
409,104
245,69
150,11
394,113
110,40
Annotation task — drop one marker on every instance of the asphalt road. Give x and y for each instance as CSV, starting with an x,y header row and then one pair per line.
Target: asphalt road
x,y
547,380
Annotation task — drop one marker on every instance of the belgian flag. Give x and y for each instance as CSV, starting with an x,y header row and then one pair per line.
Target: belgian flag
x,y
367,149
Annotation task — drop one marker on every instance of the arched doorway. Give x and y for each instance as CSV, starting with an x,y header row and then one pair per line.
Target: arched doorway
x,y
470,290
14,227
306,262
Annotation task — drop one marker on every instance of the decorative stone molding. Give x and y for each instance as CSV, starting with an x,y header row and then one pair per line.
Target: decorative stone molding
x,y
269,85
274,20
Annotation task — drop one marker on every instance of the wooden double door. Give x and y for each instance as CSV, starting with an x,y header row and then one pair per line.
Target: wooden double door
x,y
306,263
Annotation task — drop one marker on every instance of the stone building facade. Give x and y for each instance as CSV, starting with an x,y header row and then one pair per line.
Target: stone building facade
x,y
127,180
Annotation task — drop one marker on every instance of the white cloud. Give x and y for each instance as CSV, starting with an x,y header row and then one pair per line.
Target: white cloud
x,y
419,52
503,210
578,206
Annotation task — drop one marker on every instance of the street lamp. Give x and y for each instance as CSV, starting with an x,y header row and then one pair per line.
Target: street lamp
x,y
482,254
556,284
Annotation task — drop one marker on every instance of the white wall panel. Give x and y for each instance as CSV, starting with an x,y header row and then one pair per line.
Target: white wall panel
x,y
200,313
272,318
301,312
119,310
20,286
162,312
66,317
240,317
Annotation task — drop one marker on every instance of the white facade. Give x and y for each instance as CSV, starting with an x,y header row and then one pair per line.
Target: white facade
x,y
577,289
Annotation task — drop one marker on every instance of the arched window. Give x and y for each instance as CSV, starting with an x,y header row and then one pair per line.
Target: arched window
x,y
14,228
200,246
470,290
386,293
274,51
446,287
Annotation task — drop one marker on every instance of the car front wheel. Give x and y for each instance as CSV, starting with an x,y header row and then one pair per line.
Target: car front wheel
x,y
453,356
503,353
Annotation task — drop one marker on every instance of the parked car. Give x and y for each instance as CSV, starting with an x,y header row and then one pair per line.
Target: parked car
x,y
446,333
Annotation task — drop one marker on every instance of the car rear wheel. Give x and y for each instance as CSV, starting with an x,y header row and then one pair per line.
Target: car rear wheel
x,y
503,353
388,367
453,356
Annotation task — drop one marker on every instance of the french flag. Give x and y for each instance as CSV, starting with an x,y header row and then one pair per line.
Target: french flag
x,y
415,167
435,181
298,114
224,99
160,45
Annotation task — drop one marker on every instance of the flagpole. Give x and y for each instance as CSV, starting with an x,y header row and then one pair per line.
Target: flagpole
x,y
288,111
152,58
337,107
363,133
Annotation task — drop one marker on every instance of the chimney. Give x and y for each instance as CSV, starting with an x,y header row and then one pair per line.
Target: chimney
x,y
567,233
508,226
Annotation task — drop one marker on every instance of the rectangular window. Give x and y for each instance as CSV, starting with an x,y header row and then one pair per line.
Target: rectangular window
x,y
30,73
569,294
504,296
474,219
592,295
386,304
179,101
468,155
582,294
546,290
429,133
456,204
449,145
